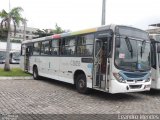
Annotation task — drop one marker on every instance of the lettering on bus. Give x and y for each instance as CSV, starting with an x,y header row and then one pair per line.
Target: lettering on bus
x,y
75,63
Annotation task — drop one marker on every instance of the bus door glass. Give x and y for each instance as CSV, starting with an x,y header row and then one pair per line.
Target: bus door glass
x,y
158,53
28,53
2,56
101,55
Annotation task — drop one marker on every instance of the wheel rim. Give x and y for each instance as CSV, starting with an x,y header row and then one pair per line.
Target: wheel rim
x,y
81,83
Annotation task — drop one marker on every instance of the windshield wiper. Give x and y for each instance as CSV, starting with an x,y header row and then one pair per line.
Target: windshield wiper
x,y
129,46
143,47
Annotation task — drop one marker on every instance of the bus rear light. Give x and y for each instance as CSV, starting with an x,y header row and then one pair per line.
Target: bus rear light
x,y
119,78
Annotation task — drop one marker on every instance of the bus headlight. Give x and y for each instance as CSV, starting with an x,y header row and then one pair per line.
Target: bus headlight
x,y
148,79
119,77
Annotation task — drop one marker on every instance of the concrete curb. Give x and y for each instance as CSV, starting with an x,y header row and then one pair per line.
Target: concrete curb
x,y
16,78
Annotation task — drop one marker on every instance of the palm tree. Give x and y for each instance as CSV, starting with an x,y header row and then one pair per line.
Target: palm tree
x,y
15,17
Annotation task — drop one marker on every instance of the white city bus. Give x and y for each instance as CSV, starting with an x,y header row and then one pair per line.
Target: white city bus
x,y
113,58
2,56
14,56
155,60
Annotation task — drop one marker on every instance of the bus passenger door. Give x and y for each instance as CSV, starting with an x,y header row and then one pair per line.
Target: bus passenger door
x,y
26,58
101,60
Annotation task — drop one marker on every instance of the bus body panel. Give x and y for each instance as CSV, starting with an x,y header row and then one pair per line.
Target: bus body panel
x,y
155,71
57,68
155,79
158,83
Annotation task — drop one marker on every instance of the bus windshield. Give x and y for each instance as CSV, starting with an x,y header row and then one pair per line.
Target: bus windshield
x,y
16,55
2,55
133,54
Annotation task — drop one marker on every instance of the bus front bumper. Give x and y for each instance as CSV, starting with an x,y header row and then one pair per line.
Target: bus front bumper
x,y
117,87
15,61
2,61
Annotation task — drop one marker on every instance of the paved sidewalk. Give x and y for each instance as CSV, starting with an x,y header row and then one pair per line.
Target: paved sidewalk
x,y
11,65
17,78
51,97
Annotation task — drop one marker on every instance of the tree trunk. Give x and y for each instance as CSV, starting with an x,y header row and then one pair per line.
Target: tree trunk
x,y
7,64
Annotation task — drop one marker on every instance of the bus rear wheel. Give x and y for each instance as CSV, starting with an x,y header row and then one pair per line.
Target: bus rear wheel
x,y
35,73
81,84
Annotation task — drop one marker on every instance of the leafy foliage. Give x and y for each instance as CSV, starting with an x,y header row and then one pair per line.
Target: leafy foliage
x,y
58,30
43,33
48,32
14,16
3,34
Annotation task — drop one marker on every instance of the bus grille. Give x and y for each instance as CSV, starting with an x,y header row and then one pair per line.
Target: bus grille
x,y
133,75
135,80
135,86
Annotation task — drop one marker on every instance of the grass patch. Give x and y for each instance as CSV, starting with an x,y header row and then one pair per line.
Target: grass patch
x,y
15,72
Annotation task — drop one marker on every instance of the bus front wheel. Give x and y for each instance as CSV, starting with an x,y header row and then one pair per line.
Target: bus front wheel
x,y
35,73
81,84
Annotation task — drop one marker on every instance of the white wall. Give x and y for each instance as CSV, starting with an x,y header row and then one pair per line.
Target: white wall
x,y
14,46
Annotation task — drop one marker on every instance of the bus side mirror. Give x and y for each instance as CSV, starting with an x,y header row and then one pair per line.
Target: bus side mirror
x,y
158,49
118,42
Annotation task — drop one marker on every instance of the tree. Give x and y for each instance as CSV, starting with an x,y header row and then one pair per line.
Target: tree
x,y
12,16
58,29
3,34
48,32
43,33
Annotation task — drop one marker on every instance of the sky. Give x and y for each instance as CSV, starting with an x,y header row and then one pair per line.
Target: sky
x,y
81,14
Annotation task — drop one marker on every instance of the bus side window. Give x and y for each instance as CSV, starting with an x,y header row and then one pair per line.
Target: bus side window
x,y
68,46
45,48
110,41
36,48
62,44
55,47
153,55
85,45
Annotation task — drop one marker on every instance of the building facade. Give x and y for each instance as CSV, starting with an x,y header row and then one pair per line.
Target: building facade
x,y
154,29
19,36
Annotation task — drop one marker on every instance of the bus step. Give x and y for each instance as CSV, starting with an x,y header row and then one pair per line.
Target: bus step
x,y
100,89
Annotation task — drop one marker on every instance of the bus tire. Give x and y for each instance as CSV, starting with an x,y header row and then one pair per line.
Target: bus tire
x,y
81,84
35,73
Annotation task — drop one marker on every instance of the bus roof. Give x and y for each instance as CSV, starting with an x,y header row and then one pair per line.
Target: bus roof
x,y
85,31
57,36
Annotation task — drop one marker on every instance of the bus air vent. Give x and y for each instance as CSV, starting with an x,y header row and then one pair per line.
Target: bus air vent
x,y
135,86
